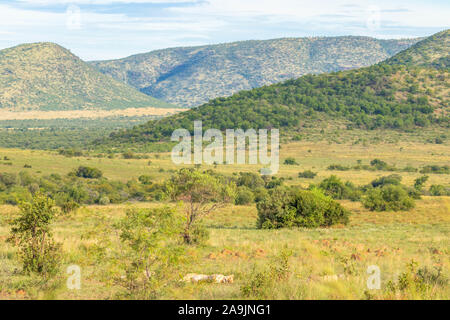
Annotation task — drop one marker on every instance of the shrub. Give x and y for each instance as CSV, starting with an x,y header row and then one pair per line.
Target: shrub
x,y
244,196
393,179
262,284
250,180
69,206
436,169
438,190
335,188
410,169
88,173
144,179
439,140
103,201
273,182
338,167
379,164
70,153
419,182
260,193
417,282
299,208
308,174
290,161
8,179
152,239
128,155
388,198
32,234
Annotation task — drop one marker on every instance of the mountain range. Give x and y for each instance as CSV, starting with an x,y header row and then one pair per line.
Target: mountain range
x,y
47,77
191,76
406,92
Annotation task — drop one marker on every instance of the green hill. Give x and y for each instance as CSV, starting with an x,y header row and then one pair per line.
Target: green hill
x,y
47,77
387,95
192,76
431,52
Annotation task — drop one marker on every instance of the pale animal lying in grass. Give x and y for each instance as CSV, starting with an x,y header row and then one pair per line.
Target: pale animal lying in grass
x,y
217,278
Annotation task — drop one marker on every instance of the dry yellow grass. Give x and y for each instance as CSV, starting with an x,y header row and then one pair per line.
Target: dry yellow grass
x,y
389,240
85,114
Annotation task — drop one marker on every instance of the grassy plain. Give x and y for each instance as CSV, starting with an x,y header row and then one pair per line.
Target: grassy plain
x,y
326,263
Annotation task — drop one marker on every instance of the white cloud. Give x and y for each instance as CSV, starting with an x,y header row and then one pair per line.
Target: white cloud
x,y
98,2
210,21
398,13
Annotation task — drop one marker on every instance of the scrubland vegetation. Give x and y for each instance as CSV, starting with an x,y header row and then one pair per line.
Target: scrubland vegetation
x,y
363,185
292,236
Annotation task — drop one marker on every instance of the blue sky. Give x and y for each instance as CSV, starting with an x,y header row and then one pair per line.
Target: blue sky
x,y
108,29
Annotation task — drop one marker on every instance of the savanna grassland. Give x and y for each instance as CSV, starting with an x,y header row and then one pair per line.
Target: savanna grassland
x,y
322,263
363,186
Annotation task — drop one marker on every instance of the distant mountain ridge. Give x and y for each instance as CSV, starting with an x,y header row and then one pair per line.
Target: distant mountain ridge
x,y
401,93
192,76
47,77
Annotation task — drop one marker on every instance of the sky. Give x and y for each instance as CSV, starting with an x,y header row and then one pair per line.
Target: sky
x,y
110,29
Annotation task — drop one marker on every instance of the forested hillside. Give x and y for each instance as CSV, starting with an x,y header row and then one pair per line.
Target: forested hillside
x,y
192,76
392,94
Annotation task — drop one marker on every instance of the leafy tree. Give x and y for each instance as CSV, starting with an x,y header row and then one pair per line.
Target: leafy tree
x,y
202,194
153,250
31,233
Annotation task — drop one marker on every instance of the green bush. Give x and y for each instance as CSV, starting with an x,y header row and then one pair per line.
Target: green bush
x,y
262,284
250,180
299,208
438,190
31,233
379,164
388,198
152,251
338,167
436,169
273,182
417,283
290,161
308,174
244,196
8,179
393,179
260,193
88,173
419,182
144,179
335,188
69,206
103,201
